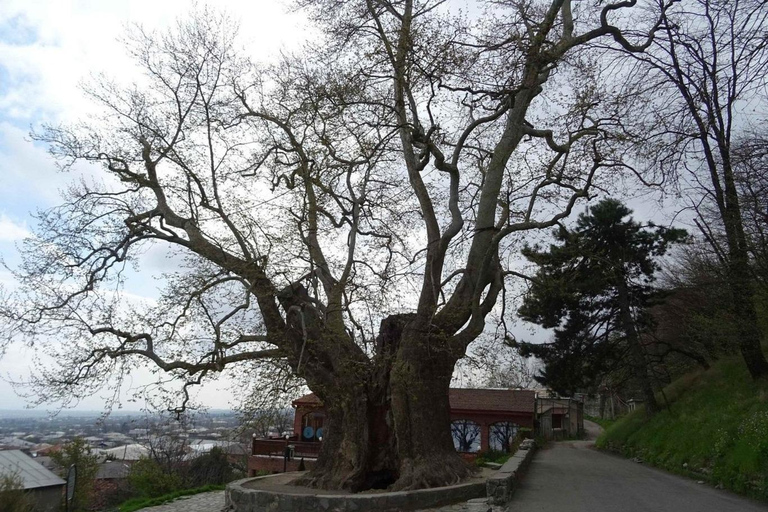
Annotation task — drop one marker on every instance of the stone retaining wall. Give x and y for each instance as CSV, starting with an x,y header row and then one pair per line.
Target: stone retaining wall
x,y
501,486
242,499
258,463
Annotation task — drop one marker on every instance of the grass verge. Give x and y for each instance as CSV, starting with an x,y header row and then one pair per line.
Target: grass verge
x,y
715,429
138,503
495,456
603,422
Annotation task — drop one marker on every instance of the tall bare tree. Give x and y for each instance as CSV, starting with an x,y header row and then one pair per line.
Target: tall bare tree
x,y
704,74
379,178
751,167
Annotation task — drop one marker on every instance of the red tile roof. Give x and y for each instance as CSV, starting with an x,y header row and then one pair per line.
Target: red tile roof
x,y
497,400
310,399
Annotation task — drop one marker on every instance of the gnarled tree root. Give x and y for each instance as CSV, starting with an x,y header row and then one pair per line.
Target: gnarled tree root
x,y
434,472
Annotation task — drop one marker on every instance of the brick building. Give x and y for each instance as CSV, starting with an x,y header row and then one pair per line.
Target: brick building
x,y
481,419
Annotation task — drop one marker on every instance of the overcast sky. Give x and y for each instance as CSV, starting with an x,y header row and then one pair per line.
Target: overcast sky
x,y
48,48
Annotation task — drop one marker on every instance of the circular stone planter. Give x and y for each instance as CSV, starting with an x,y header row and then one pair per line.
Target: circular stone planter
x,y
245,496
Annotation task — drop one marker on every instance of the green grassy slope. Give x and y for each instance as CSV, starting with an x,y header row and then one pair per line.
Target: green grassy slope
x,y
716,429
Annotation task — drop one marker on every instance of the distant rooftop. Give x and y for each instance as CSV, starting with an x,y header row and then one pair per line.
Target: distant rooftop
x,y
127,452
15,442
498,400
32,474
475,399
113,470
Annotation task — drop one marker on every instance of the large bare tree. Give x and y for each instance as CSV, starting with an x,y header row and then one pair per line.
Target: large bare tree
x,y
347,214
705,76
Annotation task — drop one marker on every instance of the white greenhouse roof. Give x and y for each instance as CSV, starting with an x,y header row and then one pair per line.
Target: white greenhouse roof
x,y
32,474
127,452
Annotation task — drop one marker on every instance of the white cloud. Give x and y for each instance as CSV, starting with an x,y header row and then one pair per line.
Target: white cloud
x,y
28,176
49,47
10,231
68,41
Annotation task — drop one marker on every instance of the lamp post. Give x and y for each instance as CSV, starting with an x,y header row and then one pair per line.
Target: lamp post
x,y
286,454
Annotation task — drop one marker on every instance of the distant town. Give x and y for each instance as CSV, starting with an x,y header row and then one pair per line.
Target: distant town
x,y
118,441
38,433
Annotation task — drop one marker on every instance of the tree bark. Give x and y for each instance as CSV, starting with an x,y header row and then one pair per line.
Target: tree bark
x,y
357,453
740,278
638,361
602,405
421,379
392,429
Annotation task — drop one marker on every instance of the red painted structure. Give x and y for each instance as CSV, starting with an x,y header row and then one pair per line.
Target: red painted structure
x,y
483,407
487,407
309,413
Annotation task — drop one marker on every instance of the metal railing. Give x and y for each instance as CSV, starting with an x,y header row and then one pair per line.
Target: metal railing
x,y
276,448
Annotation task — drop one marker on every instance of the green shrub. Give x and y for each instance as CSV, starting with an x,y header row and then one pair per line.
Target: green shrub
x,y
603,422
514,444
212,468
495,456
149,480
525,433
12,495
78,453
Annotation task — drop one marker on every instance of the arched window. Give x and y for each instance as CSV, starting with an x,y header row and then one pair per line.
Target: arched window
x,y
466,436
312,426
501,434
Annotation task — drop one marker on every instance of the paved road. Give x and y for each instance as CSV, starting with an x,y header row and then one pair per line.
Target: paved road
x,y
574,477
592,430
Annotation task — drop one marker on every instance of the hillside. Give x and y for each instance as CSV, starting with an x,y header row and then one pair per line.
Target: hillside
x,y
715,429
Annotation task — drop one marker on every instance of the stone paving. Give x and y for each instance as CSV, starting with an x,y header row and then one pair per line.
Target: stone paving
x,y
203,502
214,502
476,505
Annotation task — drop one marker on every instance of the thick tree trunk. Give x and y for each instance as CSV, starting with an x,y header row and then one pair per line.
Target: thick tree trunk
x,y
743,302
391,429
640,371
421,378
358,452
740,278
